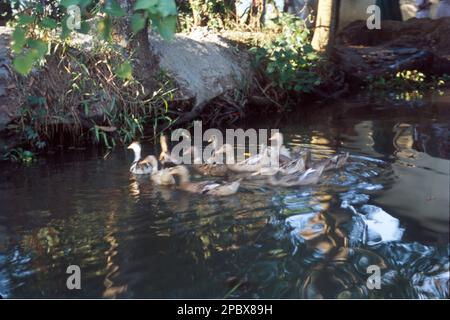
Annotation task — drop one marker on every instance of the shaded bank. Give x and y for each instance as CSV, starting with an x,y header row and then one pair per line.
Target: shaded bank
x,y
205,76
416,44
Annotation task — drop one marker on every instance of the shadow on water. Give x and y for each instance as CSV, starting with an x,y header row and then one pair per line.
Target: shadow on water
x,y
388,207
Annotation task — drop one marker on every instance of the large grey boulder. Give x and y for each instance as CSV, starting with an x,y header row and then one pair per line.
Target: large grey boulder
x,y
204,65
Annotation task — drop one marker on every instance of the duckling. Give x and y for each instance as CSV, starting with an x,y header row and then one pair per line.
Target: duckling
x,y
204,187
310,176
165,157
139,166
161,177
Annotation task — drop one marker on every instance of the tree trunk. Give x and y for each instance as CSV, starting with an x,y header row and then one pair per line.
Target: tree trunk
x,y
326,25
256,14
145,62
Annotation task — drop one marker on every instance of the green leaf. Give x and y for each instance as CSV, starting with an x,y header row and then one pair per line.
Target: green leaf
x,y
166,27
167,8
113,8
48,23
23,64
104,28
84,27
65,31
38,48
124,71
137,22
25,19
146,4
19,39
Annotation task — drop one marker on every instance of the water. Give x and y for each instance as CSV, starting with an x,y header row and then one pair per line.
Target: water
x,y
389,208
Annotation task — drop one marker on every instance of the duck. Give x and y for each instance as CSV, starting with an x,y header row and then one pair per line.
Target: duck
x,y
280,150
165,156
213,188
305,153
336,162
140,166
249,165
310,176
211,168
296,165
162,177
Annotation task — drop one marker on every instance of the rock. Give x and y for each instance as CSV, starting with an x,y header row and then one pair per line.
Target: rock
x,y
204,65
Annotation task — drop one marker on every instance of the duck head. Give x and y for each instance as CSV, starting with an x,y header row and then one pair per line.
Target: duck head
x,y
277,137
136,147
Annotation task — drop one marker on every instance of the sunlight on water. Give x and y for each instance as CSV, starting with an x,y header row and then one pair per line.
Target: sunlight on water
x,y
136,240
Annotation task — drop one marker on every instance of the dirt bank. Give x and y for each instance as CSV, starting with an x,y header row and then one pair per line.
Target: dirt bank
x,y
421,44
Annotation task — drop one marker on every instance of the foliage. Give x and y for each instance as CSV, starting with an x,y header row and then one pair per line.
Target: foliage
x,y
215,14
19,155
289,59
37,24
127,124
78,98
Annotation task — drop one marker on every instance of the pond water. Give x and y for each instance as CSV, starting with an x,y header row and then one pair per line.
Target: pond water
x,y
388,207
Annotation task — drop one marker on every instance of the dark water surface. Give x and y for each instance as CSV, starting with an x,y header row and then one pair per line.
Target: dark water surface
x,y
389,207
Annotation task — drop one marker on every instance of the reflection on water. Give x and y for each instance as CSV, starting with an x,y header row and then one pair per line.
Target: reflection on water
x,y
388,207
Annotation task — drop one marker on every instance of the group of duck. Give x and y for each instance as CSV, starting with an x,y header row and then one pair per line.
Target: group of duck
x,y
293,168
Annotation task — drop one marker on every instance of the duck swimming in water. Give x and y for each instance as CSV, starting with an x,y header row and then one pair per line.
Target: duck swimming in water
x,y
252,164
204,187
140,166
335,162
208,169
161,177
279,149
310,176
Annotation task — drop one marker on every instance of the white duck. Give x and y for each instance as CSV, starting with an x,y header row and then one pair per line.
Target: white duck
x,y
140,166
279,148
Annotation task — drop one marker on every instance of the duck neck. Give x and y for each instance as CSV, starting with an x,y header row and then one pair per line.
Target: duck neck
x,y
164,146
154,164
197,156
184,177
229,152
278,143
137,154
